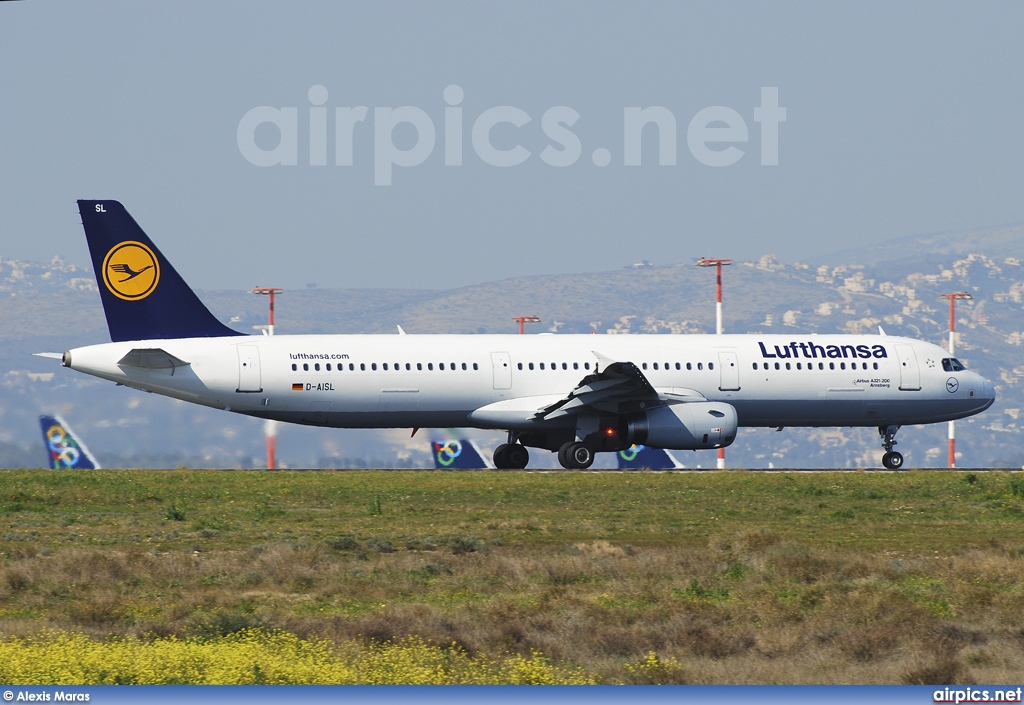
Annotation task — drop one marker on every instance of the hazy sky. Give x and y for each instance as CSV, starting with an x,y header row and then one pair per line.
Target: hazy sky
x,y
899,119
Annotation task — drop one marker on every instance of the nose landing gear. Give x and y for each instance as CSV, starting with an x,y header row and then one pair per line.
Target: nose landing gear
x,y
892,459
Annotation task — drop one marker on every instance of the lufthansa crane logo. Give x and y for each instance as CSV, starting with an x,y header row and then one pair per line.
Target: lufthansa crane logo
x,y
131,271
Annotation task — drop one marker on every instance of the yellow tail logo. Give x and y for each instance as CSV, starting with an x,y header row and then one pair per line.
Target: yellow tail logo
x,y
131,271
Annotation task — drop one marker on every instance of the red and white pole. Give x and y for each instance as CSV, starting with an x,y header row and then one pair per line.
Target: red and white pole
x,y
270,328
717,263
523,320
951,460
270,426
270,430
718,302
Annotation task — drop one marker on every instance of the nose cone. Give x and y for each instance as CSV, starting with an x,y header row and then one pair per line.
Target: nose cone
x,y
986,394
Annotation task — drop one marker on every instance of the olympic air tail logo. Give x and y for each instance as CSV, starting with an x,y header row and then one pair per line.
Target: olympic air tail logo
x,y
131,271
447,452
629,455
63,451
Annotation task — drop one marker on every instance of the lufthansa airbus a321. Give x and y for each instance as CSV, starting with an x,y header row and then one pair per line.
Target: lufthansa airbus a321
x,y
575,395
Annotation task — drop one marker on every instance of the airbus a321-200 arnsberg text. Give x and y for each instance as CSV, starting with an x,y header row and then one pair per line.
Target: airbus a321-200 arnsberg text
x,y
575,395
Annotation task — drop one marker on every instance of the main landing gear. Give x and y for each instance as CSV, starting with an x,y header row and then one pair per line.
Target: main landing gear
x,y
892,459
575,456
511,455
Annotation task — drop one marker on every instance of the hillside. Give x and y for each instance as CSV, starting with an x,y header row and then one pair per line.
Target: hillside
x,y
56,306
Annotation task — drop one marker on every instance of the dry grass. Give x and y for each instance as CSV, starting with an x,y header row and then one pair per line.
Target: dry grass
x,y
776,613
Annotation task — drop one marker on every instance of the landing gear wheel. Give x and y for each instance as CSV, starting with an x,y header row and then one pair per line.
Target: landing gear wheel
x,y
517,457
580,456
501,459
893,460
563,456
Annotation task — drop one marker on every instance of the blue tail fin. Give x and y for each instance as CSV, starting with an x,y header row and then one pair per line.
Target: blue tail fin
x,y
143,297
65,452
636,457
457,455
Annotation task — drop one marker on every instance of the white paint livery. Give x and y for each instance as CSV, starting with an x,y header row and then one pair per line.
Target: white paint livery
x,y
486,381
570,394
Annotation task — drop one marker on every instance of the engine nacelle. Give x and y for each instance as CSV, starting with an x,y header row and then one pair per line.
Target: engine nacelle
x,y
689,426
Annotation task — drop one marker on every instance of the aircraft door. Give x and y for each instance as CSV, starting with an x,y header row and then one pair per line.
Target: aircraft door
x,y
249,379
502,364
910,374
730,372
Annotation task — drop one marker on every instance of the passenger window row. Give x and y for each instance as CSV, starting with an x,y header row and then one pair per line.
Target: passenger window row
x,y
551,366
396,367
679,365
821,365
441,366
586,366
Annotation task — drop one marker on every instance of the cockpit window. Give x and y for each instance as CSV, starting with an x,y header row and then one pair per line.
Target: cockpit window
x,y
951,364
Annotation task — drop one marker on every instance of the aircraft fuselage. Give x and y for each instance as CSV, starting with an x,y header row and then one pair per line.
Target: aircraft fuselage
x,y
498,381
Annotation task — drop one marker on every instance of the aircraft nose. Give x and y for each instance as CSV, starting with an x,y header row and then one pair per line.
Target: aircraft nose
x,y
986,394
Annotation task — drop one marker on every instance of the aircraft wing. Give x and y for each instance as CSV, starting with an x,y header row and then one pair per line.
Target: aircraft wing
x,y
614,388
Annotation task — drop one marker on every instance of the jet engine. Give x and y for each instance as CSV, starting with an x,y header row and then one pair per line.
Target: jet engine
x,y
688,426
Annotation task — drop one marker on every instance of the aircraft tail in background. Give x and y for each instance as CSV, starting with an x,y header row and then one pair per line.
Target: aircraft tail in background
x,y
459,454
636,457
65,452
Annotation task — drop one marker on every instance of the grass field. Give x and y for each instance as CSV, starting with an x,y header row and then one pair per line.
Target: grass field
x,y
716,577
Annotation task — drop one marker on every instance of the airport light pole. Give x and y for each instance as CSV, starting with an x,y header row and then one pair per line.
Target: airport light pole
x,y
270,291
952,328
523,320
270,426
717,264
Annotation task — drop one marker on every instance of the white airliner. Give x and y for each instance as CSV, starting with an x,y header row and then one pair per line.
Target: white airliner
x,y
571,394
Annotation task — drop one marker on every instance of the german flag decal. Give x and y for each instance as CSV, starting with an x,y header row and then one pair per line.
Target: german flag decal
x,y
296,386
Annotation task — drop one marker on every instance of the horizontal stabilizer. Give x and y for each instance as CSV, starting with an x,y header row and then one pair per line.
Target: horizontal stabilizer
x,y
151,359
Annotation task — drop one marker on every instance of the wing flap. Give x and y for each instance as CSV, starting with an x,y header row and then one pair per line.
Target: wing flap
x,y
612,388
